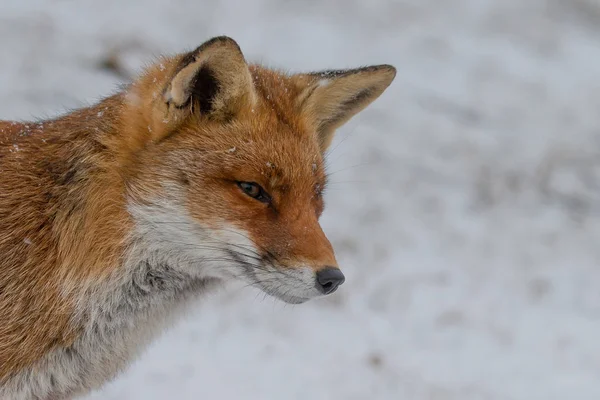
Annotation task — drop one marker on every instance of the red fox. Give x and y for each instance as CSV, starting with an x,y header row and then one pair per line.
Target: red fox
x,y
115,216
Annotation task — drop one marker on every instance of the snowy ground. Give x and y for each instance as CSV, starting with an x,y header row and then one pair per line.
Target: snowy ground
x,y
465,213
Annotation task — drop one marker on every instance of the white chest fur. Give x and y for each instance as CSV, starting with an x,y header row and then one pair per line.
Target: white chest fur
x,y
163,273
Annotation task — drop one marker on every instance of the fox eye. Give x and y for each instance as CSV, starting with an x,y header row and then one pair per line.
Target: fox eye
x,y
255,191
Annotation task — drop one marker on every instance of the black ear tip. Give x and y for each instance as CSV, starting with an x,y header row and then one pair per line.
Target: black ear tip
x,y
387,71
222,40
387,68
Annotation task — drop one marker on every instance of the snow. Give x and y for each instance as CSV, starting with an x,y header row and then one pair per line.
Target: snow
x,y
463,204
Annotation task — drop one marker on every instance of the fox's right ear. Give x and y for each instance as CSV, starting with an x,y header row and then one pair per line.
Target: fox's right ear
x,y
212,81
330,98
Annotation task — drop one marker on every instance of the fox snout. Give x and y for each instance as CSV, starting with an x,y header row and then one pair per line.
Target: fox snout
x,y
302,258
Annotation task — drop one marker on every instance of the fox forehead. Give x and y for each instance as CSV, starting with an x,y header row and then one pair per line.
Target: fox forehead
x,y
271,144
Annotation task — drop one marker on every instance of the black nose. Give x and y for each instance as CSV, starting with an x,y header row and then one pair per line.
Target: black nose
x,y
329,279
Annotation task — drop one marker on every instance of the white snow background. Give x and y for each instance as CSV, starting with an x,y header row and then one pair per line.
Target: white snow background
x,y
464,204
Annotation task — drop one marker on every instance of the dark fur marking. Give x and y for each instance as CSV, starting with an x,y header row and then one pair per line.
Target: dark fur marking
x,y
203,90
186,60
69,176
52,382
361,96
347,107
205,87
336,73
183,178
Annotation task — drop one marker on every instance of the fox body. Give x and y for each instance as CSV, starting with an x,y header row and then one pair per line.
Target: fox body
x,y
115,217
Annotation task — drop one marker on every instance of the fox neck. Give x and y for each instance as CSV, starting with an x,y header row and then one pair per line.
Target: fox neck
x,y
159,276
119,318
124,273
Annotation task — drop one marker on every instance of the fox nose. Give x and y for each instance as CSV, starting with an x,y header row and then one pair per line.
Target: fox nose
x,y
329,279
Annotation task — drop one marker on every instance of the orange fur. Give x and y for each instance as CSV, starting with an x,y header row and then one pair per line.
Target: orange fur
x,y
62,219
65,183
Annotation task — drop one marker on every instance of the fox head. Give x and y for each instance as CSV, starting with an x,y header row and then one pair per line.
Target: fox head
x,y
225,165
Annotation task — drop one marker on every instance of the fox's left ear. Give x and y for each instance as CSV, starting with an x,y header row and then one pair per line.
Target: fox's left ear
x,y
212,81
330,98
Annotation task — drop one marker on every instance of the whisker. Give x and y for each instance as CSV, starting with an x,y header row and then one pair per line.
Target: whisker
x,y
249,258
